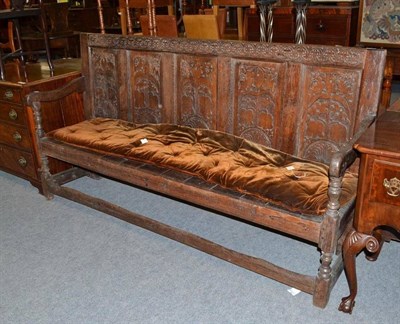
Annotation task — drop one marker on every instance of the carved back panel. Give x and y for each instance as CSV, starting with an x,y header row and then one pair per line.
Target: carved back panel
x,y
305,100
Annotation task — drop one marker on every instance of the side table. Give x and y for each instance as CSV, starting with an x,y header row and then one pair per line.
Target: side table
x,y
377,213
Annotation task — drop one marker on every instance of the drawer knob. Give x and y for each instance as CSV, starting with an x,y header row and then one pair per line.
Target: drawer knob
x,y
392,186
17,137
22,161
12,114
8,94
321,26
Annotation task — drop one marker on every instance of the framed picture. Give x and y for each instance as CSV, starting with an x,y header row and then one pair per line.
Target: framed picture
x,y
379,23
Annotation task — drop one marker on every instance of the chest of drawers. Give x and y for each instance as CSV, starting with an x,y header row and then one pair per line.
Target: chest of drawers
x,y
18,149
327,25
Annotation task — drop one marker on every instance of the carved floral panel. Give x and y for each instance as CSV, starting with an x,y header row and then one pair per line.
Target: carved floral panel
x,y
330,102
257,92
197,90
105,83
146,88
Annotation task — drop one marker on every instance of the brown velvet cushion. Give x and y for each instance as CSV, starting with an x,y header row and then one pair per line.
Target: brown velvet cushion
x,y
295,184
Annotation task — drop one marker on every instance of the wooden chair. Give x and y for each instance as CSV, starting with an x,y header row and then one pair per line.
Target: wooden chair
x,y
166,25
240,5
9,44
125,7
221,17
14,16
201,26
60,35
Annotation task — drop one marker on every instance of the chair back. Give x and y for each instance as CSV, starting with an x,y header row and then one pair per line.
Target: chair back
x,y
57,17
240,6
221,17
9,44
126,5
201,26
166,25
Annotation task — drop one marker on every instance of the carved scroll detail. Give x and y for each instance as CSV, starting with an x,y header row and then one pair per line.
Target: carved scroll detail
x,y
353,244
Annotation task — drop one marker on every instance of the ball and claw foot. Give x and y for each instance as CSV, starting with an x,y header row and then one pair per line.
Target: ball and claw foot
x,y
347,304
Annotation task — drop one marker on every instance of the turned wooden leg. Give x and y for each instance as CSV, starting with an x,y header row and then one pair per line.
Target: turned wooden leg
x,y
45,176
353,244
387,85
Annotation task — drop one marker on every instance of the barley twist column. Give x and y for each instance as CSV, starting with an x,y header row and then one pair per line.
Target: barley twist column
x,y
266,6
301,20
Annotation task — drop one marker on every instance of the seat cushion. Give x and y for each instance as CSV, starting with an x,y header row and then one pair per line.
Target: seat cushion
x,y
286,181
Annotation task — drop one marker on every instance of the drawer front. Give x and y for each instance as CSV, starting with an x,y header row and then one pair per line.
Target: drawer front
x,y
385,187
12,113
10,94
17,161
16,136
326,26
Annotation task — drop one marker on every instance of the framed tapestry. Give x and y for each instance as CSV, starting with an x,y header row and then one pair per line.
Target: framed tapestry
x,y
379,23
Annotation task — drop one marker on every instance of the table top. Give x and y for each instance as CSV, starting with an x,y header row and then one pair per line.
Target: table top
x,y
14,14
36,72
382,137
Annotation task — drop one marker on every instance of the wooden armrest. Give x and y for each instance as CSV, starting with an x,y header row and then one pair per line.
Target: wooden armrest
x,y
344,158
76,85
65,116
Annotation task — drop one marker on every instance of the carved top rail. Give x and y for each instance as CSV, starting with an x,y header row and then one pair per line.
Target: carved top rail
x,y
315,54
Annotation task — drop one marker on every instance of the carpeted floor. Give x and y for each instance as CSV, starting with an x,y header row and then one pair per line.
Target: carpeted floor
x,y
61,262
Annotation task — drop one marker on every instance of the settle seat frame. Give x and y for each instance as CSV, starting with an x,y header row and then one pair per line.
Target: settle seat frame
x,y
296,78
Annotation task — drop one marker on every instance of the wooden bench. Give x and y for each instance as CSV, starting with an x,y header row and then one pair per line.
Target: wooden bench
x,y
261,132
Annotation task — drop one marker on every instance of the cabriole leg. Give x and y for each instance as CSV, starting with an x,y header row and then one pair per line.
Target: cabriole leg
x,y
354,243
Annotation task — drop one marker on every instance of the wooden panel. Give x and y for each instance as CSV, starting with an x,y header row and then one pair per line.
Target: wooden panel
x,y
197,91
329,109
258,100
104,83
145,88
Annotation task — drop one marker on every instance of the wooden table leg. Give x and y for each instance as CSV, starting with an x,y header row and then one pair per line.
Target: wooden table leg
x,y
387,84
354,243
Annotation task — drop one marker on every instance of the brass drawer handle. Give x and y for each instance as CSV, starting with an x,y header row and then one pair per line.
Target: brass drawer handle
x,y
22,161
392,186
13,114
17,137
9,94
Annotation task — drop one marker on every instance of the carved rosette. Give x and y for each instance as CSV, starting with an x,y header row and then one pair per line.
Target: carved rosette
x,y
105,84
328,117
197,91
146,101
256,91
